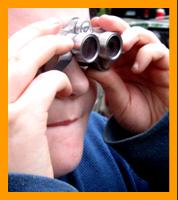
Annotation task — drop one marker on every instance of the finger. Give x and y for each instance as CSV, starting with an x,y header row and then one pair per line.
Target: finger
x,y
27,34
151,53
110,23
23,67
115,89
41,92
137,35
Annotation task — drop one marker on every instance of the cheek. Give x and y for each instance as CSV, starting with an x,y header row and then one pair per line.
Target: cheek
x,y
66,147
90,98
93,88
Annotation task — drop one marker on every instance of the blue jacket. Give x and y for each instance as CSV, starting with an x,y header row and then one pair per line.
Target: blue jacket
x,y
120,162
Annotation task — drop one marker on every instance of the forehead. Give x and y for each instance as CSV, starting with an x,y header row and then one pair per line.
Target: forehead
x,y
20,17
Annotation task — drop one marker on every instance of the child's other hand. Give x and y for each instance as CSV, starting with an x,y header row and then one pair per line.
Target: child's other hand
x,y
137,85
30,97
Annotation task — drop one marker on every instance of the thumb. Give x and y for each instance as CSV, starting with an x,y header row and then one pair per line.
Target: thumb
x,y
115,89
109,79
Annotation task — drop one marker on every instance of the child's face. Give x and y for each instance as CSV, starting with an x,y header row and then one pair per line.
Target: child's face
x,y
68,116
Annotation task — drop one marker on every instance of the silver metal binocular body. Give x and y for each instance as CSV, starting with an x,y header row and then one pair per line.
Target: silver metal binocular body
x,y
93,47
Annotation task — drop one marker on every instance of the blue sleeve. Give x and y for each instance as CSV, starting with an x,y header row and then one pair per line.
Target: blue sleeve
x,y
147,153
32,183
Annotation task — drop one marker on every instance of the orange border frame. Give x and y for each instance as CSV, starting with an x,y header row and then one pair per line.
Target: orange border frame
x,y
172,5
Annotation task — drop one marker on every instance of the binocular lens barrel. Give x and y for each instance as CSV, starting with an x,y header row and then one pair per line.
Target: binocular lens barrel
x,y
86,48
110,45
93,47
89,49
114,47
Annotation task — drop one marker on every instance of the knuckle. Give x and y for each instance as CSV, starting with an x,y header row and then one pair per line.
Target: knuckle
x,y
140,30
51,39
62,76
14,58
36,27
13,114
53,74
160,47
150,35
17,112
137,28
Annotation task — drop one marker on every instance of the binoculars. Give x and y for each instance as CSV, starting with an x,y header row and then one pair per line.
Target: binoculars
x,y
93,47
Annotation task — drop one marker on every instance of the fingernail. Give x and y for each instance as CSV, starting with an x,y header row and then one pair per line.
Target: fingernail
x,y
95,18
135,67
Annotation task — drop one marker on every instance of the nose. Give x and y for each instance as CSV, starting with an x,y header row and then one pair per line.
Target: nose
x,y
78,79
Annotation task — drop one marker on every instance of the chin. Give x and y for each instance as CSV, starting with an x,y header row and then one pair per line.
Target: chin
x,y
65,164
66,146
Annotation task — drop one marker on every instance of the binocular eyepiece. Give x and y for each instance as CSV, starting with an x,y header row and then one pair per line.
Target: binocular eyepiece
x,y
93,47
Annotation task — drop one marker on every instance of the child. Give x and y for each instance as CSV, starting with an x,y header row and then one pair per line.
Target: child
x,y
55,141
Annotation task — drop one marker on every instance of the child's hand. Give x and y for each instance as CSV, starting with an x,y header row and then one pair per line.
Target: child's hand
x,y
30,97
137,85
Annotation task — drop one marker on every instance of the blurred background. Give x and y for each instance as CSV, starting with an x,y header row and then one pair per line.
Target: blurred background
x,y
153,19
